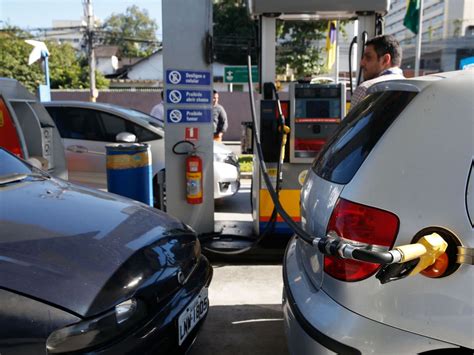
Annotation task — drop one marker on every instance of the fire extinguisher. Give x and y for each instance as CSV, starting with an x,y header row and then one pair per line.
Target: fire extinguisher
x,y
193,178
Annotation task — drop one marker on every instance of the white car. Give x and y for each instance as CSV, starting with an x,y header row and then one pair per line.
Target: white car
x,y
86,127
399,167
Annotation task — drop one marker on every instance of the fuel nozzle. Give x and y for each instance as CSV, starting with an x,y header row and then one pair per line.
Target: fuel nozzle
x,y
413,258
428,249
402,261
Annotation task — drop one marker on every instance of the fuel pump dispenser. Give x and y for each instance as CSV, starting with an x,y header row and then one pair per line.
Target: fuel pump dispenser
x,y
317,109
312,113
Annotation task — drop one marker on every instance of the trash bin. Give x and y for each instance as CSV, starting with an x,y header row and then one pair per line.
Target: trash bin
x,y
129,171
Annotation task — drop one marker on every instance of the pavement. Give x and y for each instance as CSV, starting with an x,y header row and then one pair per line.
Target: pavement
x,y
245,315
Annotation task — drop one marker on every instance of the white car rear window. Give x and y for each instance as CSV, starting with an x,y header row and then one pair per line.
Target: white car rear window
x,y
358,133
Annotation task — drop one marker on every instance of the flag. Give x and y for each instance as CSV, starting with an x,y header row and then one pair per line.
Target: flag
x,y
412,17
331,44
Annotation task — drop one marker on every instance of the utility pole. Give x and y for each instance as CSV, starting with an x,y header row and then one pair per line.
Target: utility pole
x,y
90,47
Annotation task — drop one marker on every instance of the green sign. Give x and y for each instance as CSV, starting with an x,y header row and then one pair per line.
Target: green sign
x,y
239,75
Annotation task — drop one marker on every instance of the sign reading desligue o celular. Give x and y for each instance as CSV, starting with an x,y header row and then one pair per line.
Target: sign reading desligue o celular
x,y
187,90
188,77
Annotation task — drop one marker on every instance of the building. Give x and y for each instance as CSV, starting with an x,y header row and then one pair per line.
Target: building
x,y
65,31
107,59
447,33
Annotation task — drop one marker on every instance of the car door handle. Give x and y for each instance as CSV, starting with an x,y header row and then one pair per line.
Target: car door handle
x,y
77,149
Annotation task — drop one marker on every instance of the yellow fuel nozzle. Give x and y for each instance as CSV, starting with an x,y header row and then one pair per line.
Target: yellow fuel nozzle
x,y
428,249
286,131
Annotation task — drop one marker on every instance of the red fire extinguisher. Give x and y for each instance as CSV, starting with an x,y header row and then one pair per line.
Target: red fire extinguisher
x,y
194,179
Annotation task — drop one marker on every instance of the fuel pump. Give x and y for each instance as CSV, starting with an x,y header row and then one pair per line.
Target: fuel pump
x,y
316,111
312,113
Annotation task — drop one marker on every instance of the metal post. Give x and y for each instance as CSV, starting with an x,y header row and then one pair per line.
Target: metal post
x,y
268,50
90,40
418,40
45,56
180,59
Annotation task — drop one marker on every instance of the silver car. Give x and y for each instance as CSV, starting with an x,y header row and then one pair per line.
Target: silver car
x,y
86,127
399,167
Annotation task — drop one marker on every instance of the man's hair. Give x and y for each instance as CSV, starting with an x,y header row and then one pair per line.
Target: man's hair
x,y
214,91
387,44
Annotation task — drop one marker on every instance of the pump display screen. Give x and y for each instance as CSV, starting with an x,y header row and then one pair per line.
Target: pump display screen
x,y
317,115
317,108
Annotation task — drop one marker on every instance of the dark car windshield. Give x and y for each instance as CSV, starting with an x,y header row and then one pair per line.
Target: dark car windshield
x,y
357,135
10,165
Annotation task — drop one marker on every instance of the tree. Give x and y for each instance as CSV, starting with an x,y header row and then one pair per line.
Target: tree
x,y
235,33
134,32
297,46
67,70
70,70
14,54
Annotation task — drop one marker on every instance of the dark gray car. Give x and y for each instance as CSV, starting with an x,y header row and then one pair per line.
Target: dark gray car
x,y
85,270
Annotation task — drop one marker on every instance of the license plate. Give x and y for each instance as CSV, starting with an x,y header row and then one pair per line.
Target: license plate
x,y
193,313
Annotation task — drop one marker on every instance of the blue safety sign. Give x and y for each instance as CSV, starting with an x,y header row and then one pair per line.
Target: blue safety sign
x,y
188,77
196,97
176,115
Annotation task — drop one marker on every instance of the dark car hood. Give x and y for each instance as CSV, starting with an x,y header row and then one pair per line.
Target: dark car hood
x,y
82,249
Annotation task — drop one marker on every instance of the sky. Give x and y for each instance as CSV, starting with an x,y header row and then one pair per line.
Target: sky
x,y
29,14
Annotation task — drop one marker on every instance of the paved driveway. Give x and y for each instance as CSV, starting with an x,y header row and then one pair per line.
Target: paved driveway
x,y
245,314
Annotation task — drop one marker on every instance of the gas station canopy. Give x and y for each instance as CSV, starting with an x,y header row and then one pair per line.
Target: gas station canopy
x,y
316,9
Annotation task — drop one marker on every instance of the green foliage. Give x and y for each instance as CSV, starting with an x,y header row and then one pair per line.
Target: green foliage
x,y
14,53
297,47
246,163
234,33
134,32
67,70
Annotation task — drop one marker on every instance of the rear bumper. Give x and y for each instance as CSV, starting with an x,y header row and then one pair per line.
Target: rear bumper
x,y
316,324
